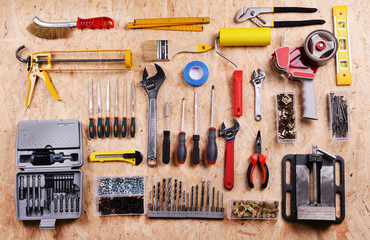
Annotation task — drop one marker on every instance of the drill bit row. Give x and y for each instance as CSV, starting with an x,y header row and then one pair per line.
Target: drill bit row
x,y
31,191
183,207
64,203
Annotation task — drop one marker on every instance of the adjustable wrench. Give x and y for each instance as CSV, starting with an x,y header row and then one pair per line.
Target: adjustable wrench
x,y
230,134
257,80
151,86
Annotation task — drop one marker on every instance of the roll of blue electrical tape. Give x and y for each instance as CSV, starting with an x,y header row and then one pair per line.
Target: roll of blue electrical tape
x,y
196,73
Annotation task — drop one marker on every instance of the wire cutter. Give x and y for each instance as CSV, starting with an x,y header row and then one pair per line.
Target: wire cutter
x,y
258,157
253,14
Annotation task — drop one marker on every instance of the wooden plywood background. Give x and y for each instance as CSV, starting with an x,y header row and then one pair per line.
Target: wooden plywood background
x,y
73,89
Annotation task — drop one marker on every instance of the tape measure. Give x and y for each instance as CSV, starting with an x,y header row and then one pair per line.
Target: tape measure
x,y
177,24
343,57
196,73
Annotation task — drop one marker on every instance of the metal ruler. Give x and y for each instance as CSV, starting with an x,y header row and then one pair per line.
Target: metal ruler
x,y
343,57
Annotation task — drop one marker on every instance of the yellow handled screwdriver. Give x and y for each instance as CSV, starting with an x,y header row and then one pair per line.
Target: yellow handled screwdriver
x,y
133,157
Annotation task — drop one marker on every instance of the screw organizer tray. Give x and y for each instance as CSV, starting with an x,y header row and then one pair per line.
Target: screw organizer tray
x,y
49,187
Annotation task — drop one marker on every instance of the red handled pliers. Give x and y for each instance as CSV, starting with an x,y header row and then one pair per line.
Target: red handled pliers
x,y
258,157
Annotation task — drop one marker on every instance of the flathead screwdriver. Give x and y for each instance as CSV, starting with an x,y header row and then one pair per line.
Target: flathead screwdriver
x,y
166,139
116,126
132,122
181,150
212,147
124,118
196,136
107,122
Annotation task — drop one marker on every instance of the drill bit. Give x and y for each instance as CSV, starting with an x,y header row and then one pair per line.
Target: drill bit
x,y
192,199
61,203
222,203
208,186
33,193
183,202
21,183
169,194
179,207
150,200
202,198
154,197
213,200
158,197
218,201
28,195
39,193
164,195
196,198
77,203
66,207
56,203
174,204
187,201
72,203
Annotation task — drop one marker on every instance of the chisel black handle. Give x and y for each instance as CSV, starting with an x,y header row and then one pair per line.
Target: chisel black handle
x,y
294,9
212,147
107,127
166,147
91,128
115,126
132,127
124,127
196,149
181,150
100,127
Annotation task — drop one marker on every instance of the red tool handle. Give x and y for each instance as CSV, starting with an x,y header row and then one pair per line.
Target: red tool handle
x,y
238,93
229,165
262,160
99,22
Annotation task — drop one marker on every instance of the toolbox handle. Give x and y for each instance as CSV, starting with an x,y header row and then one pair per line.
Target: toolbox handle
x,y
91,23
47,223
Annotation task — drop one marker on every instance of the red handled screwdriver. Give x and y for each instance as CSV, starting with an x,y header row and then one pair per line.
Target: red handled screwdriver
x,y
181,150
212,147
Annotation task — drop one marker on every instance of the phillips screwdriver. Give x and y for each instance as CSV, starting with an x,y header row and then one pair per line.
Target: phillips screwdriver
x,y
107,122
116,126
91,122
133,125
181,150
166,139
196,136
100,123
124,118
212,147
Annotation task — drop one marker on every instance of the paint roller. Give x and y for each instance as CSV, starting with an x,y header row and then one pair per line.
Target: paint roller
x,y
241,37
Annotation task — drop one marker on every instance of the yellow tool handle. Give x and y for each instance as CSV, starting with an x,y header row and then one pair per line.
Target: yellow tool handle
x,y
32,76
173,21
166,27
113,156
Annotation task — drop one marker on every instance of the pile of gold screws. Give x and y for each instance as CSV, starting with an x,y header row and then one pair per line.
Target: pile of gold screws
x,y
255,209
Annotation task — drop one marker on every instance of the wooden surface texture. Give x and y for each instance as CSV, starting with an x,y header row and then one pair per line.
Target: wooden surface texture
x,y
72,87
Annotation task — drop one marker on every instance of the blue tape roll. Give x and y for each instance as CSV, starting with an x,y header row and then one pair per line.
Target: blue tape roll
x,y
196,73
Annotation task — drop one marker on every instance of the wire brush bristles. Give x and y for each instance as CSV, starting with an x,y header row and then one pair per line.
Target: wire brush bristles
x,y
48,32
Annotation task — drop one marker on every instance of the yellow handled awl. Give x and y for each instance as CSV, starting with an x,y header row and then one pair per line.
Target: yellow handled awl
x,y
133,157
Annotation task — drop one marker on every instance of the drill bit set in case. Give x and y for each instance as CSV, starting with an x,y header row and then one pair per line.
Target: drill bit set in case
x,y
49,187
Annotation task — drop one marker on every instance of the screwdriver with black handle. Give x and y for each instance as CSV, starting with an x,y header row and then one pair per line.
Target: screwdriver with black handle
x,y
100,121
107,118
196,136
124,118
91,119
166,139
116,124
132,124
211,146
181,150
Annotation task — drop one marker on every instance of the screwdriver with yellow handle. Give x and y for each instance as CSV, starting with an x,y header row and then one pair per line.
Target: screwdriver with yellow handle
x,y
133,157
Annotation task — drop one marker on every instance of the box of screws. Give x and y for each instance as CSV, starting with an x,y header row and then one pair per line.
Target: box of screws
x,y
286,124
339,112
252,209
49,187
185,204
119,196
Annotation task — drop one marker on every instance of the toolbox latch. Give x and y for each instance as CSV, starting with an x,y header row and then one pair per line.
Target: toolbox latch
x,y
47,223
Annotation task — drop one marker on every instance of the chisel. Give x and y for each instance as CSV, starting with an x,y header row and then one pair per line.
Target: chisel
x,y
116,124
100,123
107,118
133,124
124,118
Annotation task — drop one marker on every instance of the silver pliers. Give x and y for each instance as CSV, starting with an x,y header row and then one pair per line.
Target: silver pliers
x,y
253,14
